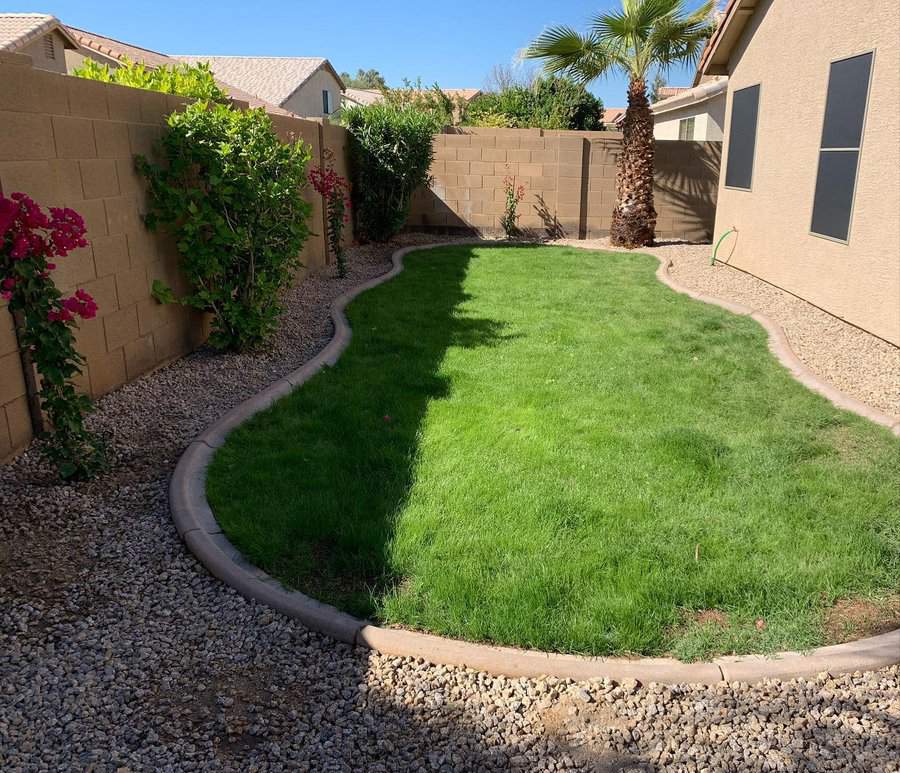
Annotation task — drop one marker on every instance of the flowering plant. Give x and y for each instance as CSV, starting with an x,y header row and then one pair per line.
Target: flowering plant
x,y
515,194
334,189
29,240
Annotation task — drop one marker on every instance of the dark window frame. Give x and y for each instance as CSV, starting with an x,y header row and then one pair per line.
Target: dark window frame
x,y
755,138
858,150
326,102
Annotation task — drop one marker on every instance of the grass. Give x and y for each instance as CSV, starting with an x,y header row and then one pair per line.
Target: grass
x,y
546,447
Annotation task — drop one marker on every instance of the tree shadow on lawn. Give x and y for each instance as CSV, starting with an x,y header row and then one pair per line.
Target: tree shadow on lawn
x,y
327,470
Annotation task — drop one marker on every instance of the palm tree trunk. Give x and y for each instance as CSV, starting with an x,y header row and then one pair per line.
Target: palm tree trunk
x,y
634,218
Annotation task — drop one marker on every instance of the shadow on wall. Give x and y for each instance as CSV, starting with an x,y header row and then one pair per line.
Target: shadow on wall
x,y
686,188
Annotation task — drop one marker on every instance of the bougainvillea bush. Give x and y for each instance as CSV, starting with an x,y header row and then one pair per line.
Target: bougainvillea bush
x,y
231,193
334,191
30,240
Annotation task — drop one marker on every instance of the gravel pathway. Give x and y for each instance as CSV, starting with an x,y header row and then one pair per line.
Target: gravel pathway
x,y
118,652
856,362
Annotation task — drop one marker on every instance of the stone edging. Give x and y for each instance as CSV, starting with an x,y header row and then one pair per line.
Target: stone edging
x,y
197,526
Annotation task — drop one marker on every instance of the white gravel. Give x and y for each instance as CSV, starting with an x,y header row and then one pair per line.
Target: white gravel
x,y
856,362
118,652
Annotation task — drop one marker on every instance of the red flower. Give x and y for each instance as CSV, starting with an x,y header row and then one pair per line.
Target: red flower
x,y
8,212
20,248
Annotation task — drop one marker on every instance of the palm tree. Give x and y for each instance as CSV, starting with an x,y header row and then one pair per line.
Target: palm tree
x,y
646,35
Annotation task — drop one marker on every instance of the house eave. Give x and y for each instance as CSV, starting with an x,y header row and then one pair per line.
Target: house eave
x,y
717,53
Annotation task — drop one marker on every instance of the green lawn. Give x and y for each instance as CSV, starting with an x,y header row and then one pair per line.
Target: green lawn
x,y
546,447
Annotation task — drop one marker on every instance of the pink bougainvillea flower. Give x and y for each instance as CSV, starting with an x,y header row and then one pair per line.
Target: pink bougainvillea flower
x,y
387,418
19,249
6,295
60,315
9,283
51,267
8,212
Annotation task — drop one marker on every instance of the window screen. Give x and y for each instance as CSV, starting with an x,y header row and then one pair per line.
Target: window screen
x,y
686,129
742,137
842,130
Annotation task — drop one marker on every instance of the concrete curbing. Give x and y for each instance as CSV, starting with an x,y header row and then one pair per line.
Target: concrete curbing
x,y
197,526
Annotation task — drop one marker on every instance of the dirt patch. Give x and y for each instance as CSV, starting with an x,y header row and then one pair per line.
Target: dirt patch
x,y
586,731
710,617
850,619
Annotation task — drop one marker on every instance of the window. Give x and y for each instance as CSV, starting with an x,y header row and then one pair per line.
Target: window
x,y
686,129
49,47
742,137
842,133
326,101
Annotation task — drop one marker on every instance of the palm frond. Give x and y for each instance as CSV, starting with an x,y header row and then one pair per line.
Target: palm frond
x,y
566,52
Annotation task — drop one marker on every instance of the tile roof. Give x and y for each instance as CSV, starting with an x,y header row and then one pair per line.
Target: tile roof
x,y
363,96
613,115
274,78
19,29
116,49
670,91
466,94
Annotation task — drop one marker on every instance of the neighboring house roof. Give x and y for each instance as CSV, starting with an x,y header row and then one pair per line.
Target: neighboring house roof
x,y
613,115
664,92
116,50
733,20
693,96
19,29
274,78
465,94
363,96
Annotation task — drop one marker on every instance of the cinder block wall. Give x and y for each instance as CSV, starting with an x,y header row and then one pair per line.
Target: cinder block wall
x,y
70,142
569,178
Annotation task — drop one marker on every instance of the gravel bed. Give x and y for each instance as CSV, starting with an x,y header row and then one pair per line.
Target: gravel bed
x,y
118,652
856,362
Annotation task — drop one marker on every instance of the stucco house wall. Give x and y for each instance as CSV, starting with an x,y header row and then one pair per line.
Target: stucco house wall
x,y
39,52
709,118
787,48
306,101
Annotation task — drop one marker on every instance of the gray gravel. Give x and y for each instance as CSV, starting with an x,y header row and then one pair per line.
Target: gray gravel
x,y
856,362
118,652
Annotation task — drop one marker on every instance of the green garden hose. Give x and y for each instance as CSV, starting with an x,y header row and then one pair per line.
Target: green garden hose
x,y
712,260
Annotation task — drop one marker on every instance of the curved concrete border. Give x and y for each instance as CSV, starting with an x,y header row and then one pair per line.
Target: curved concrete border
x,y
197,525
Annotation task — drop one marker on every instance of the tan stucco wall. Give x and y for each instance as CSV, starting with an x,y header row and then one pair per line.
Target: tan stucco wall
x,y
307,100
35,50
789,54
709,118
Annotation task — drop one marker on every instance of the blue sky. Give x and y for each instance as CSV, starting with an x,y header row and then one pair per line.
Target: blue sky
x,y
454,44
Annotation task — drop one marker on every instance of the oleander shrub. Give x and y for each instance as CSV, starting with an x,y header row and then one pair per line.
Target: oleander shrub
x,y
31,240
187,80
231,193
548,103
391,153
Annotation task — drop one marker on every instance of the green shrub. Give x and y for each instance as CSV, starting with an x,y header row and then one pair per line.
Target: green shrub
x,y
549,103
430,100
188,80
231,193
390,153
